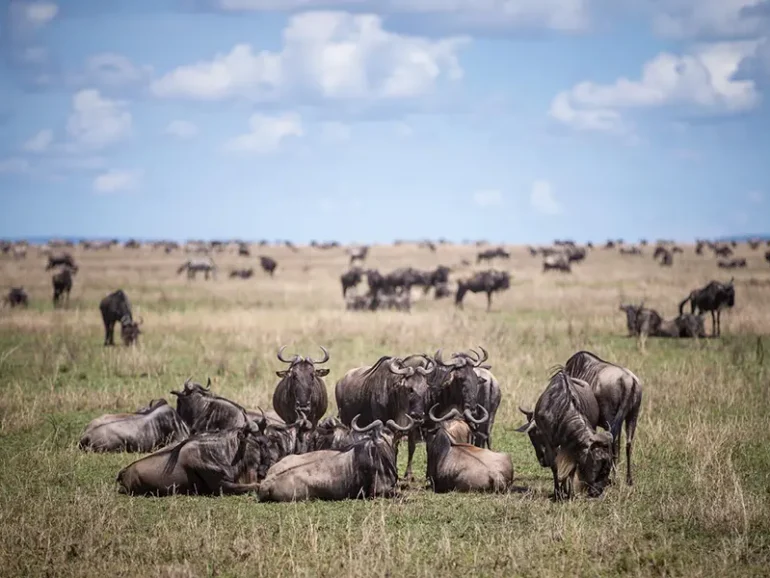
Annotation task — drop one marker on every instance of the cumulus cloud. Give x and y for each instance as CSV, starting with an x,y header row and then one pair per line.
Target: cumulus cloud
x,y
40,13
709,18
40,142
333,55
97,122
541,198
267,133
114,181
703,79
182,129
113,70
488,198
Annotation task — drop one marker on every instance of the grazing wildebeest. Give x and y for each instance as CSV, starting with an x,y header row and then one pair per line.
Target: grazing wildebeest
x,y
116,308
619,395
63,259
712,298
392,388
203,411
350,279
268,264
154,426
366,468
242,273
301,392
224,462
437,278
62,283
737,263
488,282
192,266
558,262
456,465
565,418
16,296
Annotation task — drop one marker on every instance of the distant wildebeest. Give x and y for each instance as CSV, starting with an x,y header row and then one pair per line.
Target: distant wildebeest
x,y
489,282
148,428
301,391
358,254
268,264
243,250
62,283
630,251
558,262
366,468
242,273
737,263
712,298
192,266
767,256
58,260
116,308
454,464
619,395
575,254
16,296
203,411
351,278
490,254
441,291
723,251
564,419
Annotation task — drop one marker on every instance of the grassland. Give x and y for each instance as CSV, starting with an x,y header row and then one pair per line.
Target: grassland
x,y
700,505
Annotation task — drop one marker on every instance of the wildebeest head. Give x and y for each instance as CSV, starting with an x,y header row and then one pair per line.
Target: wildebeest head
x,y
595,463
285,439
129,329
388,430
453,424
534,436
460,384
303,374
412,381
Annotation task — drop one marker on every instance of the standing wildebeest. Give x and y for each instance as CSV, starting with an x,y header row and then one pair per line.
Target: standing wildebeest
x,y
148,428
268,264
456,465
488,282
564,418
16,296
204,411
115,308
737,263
62,283
63,259
205,264
619,395
358,254
242,273
350,278
490,254
557,261
301,392
366,468
712,298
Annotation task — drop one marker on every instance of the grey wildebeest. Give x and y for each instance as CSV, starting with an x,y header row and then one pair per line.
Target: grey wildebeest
x,y
62,283
366,468
193,266
391,389
557,262
151,427
16,296
767,256
489,254
203,411
358,254
641,320
456,465
489,397
115,308
489,282
332,434
350,278
301,392
619,395
736,263
58,260
268,264
562,429
712,298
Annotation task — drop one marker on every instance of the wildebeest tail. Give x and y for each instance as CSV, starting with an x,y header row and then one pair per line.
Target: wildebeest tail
x,y
683,303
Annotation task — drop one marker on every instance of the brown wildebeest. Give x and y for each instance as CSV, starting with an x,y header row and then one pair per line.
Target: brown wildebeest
x,y
301,391
268,264
62,284
489,282
116,308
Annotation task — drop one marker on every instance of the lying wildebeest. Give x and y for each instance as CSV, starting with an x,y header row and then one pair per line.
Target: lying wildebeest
x,y
712,298
619,395
242,273
558,262
563,430
192,266
63,259
640,320
154,426
301,392
16,296
351,279
456,465
283,438
62,283
332,434
268,264
366,468
392,388
115,308
488,282
686,325
225,462
204,411
737,263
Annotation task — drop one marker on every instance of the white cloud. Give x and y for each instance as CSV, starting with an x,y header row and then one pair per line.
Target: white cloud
x,y
40,142
14,165
488,198
335,132
542,199
97,122
40,13
114,70
756,197
714,18
182,129
114,181
266,133
703,79
328,54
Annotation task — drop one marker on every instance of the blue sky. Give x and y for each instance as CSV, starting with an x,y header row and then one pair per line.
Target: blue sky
x,y
359,120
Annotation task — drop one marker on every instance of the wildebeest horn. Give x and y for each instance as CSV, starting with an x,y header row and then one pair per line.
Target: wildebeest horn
x,y
281,358
482,359
467,413
528,413
262,422
450,415
208,383
458,362
400,370
394,426
527,427
324,360
431,366
354,425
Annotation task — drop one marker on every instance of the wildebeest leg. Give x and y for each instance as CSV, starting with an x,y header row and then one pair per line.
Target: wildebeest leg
x,y
489,300
719,322
713,324
630,431
109,334
412,440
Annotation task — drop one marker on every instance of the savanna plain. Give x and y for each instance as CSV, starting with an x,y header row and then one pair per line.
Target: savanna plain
x,y
700,505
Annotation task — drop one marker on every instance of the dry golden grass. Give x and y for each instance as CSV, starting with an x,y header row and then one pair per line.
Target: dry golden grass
x,y
699,506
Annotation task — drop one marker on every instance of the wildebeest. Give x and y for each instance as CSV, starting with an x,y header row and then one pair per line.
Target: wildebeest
x,y
685,325
767,256
63,259
203,411
243,250
350,278
558,262
456,465
192,266
242,273
640,320
62,283
224,462
490,254
489,282
712,298
151,427
631,251
358,254
564,422
722,251
489,398
301,392
16,296
268,264
619,395
737,263
332,434
116,308
366,468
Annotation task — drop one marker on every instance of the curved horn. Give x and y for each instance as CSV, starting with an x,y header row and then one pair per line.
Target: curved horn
x,y
262,422
324,360
483,359
281,358
399,371
467,413
458,362
453,413
394,426
529,413
354,425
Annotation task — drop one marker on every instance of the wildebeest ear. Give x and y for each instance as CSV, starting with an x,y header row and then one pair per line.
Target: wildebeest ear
x,y
282,373
485,366
322,371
